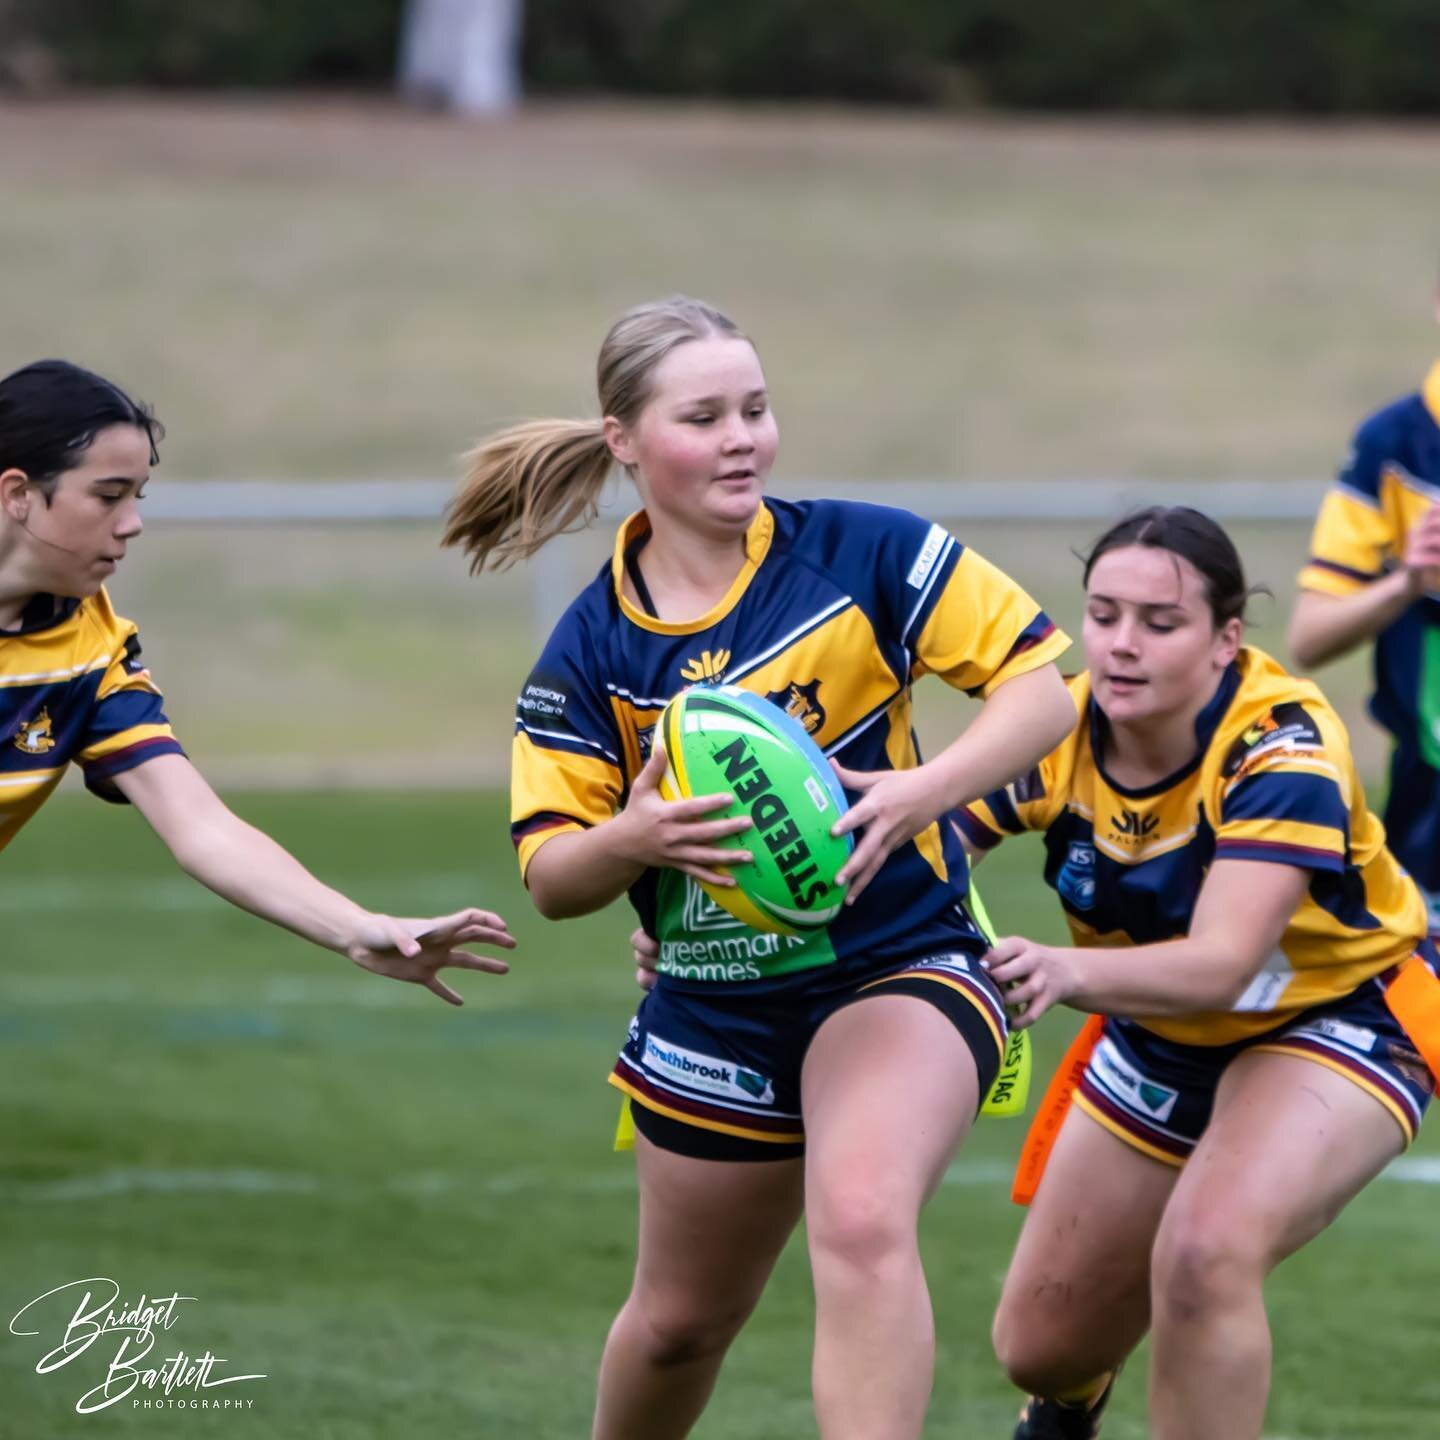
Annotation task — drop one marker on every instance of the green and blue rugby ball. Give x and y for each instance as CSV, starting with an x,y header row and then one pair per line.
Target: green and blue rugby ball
x,y
720,739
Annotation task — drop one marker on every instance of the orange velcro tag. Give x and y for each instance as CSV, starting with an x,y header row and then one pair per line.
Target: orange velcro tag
x,y
1414,1000
1045,1127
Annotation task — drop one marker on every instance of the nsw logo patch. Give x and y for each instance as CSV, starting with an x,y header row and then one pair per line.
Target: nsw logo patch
x,y
1076,880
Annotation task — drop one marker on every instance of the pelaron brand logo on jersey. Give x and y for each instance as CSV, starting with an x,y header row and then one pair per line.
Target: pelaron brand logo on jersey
x,y
802,703
36,737
1132,826
708,665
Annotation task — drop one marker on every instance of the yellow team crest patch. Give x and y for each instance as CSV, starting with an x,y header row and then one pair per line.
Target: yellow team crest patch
x,y
707,666
36,736
802,703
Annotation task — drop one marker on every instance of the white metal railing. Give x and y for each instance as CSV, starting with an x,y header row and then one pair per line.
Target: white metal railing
x,y
368,501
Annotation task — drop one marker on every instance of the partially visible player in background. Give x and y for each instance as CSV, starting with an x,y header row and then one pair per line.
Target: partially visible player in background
x,y
1374,574
837,1071
75,455
1261,962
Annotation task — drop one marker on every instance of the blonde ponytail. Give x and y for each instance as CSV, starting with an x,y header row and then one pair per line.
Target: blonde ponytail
x,y
531,482
525,485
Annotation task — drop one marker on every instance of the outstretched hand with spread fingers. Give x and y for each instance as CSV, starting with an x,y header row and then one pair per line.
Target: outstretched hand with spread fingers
x,y
417,950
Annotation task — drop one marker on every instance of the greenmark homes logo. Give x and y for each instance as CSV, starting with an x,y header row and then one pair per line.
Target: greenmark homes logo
x,y
702,913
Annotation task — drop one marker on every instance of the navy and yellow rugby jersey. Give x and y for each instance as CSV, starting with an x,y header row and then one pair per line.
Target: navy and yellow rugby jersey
x,y
1391,478
73,687
1273,780
837,609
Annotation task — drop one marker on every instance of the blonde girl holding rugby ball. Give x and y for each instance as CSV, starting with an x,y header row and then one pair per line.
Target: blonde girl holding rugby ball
x,y
765,1079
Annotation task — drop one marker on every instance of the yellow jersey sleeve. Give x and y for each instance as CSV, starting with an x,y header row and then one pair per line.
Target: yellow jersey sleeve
x,y
1355,535
566,770
984,629
1350,545
1284,793
127,724
1036,799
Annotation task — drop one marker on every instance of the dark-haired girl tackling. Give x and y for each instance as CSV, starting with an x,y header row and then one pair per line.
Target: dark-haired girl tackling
x,y
1271,1021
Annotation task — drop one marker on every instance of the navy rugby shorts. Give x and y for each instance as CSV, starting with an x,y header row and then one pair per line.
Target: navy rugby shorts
x,y
716,1076
1157,1095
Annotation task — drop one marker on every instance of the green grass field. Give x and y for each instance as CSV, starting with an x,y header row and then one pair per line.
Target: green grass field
x,y
408,1218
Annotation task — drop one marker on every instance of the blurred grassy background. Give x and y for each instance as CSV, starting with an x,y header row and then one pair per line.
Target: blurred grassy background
x,y
336,289
342,289
407,1216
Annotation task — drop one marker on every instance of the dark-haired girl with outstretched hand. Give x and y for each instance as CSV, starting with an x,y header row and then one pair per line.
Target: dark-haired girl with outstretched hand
x,y
75,455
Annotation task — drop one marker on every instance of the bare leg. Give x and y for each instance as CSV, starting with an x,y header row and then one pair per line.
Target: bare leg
x,y
1076,1298
710,1232
1289,1145
889,1091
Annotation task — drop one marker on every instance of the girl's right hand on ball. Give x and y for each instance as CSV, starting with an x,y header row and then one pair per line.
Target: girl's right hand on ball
x,y
654,831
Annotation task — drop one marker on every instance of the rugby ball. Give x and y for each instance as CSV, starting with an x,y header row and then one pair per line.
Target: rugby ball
x,y
720,739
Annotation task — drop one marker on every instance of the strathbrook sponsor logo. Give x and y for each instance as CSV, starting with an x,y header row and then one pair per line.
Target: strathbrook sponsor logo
x,y
99,1315
1131,1086
707,1072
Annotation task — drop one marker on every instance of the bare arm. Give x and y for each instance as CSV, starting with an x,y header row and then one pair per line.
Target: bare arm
x,y
246,867
584,870
1022,720
1240,917
1324,627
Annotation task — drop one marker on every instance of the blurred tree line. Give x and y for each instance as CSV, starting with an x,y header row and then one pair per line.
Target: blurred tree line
x,y
1316,56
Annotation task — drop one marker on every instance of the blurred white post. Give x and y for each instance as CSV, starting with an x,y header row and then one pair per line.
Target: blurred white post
x,y
463,54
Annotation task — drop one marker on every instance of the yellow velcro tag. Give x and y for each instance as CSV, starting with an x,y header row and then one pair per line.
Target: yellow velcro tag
x,y
1011,1091
625,1127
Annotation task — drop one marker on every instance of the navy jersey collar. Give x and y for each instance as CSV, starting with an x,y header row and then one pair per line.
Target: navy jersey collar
x,y
43,612
1206,723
